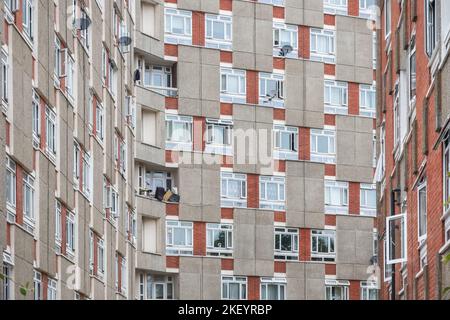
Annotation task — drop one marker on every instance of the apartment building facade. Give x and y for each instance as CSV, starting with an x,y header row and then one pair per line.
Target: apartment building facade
x,y
412,172
181,149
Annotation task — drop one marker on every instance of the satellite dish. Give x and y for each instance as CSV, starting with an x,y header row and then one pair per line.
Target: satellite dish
x,y
82,23
124,41
285,50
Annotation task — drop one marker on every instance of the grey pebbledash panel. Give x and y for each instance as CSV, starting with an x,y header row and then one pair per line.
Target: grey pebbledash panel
x,y
209,6
354,149
252,50
354,50
354,241
304,12
305,281
305,196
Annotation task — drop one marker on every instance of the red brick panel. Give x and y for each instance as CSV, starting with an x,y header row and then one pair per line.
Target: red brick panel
x,y
198,28
280,165
330,119
226,109
254,284
227,162
226,5
330,170
280,216
279,63
355,290
278,12
353,98
353,8
280,267
305,144
304,43
330,220
279,114
8,133
172,156
226,56
354,198
171,1
172,209
252,87
172,262
305,245
330,69
199,131
330,269
171,50
227,213
171,103
329,20
228,264
252,191
199,239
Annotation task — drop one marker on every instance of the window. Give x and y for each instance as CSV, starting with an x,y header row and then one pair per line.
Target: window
x,y
35,120
5,79
272,193
50,120
157,76
273,289
76,162
367,100
51,289
10,184
422,212
234,288
7,282
115,206
323,146
367,8
86,179
412,75
219,240
85,34
375,46
70,75
322,245
219,136
323,45
271,89
368,200
70,233
335,6
155,287
396,239
336,97
279,3
286,244
336,290
397,115
58,67
285,35
28,19
37,280
219,31
151,180
100,257
123,275
178,132
285,142
150,235
387,18
99,121
233,85
28,201
336,197
430,24
179,238
233,190
121,154
58,226
178,26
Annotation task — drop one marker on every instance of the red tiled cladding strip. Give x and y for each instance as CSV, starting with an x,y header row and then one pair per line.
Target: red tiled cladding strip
x,y
226,5
280,267
330,119
253,191
199,129
8,234
254,284
5,32
353,98
227,264
280,165
330,69
329,20
199,239
304,42
172,262
354,201
226,56
330,269
305,144
279,114
330,220
353,8
8,133
172,209
252,87
18,16
330,170
279,216
355,290
227,213
171,103
198,28
279,63
305,245
226,109
278,12
171,50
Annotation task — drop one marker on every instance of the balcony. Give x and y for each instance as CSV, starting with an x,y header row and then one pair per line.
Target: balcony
x,y
147,45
